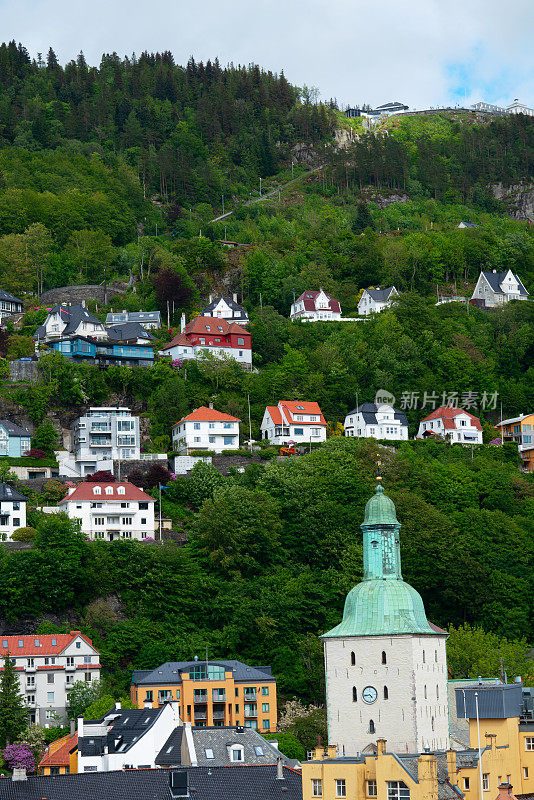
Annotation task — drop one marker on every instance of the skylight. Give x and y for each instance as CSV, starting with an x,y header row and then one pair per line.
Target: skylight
x,y
258,750
209,752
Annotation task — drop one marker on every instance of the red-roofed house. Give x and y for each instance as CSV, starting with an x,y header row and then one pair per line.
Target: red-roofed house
x,y
206,429
453,424
316,307
293,421
48,665
211,335
61,756
111,511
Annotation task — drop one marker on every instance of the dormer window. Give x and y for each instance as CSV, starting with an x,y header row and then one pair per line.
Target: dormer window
x,y
236,753
121,490
96,490
109,489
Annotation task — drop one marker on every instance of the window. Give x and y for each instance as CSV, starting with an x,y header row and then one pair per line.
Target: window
x,y
435,655
485,781
196,439
37,643
50,697
425,693
87,659
258,750
317,787
386,693
31,662
266,724
265,691
21,644
109,489
437,692
209,752
78,645
384,659
529,743
96,490
371,726
525,772
265,708
228,439
240,341
299,432
212,439
341,788
70,661
50,677
196,426
149,695
371,788
237,708
354,694
424,659
236,754
353,659
466,784
397,790
120,490
87,677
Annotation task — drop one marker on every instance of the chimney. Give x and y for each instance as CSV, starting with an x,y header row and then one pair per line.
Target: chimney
x,y
182,323
427,768
118,706
505,791
279,769
210,404
147,704
72,727
19,774
235,297
381,746
80,727
212,297
83,303
451,767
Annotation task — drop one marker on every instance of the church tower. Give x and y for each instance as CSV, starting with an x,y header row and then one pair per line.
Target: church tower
x,y
386,666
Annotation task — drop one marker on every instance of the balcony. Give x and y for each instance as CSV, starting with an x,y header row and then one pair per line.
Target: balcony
x,y
251,713
70,666
30,703
201,715
201,698
218,715
30,669
251,695
30,687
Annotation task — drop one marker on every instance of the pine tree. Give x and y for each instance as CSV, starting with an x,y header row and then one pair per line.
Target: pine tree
x,y
363,219
13,716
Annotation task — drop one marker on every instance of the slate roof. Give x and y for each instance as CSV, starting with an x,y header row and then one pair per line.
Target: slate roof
x,y
170,672
127,726
205,783
380,295
72,315
170,754
309,299
496,278
9,494
116,317
368,411
128,330
11,297
230,302
219,739
468,224
13,429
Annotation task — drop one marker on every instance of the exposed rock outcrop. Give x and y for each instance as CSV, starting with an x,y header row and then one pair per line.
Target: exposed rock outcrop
x,y
518,199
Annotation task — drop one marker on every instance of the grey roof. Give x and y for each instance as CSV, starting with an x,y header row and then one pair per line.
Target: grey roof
x,y
9,494
380,295
7,296
468,224
13,429
115,317
73,315
496,278
170,672
128,330
368,411
238,310
219,739
205,783
170,754
127,726
445,789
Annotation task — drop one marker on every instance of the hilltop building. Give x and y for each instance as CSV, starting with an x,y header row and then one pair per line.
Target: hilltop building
x,y
225,307
294,421
68,320
14,439
498,288
218,693
211,335
386,667
150,320
206,429
521,430
373,301
316,307
453,424
12,511
9,304
378,421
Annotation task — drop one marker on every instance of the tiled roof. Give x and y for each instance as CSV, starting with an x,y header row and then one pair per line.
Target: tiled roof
x,y
310,298
84,492
447,415
204,414
170,672
275,414
58,753
46,648
437,629
205,783
13,429
206,326
301,407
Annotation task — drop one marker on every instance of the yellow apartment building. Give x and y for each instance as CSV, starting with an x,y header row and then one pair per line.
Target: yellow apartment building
x,y
213,693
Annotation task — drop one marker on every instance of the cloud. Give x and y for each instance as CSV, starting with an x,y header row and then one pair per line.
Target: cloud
x,y
423,52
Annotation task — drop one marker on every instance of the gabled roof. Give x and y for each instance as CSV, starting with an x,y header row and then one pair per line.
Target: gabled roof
x,y
219,739
11,297
496,278
123,727
310,298
467,224
171,753
128,330
13,429
57,754
204,414
72,315
8,494
295,407
206,326
171,672
84,493
230,302
513,419
381,295
368,411
47,648
447,416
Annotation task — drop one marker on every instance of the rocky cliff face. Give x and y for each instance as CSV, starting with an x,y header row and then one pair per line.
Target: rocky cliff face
x,y
518,199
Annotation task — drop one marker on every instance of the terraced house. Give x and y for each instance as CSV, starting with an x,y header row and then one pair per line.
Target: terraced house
x,y
218,693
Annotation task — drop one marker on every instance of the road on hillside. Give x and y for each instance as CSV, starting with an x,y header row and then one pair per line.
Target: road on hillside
x,y
269,194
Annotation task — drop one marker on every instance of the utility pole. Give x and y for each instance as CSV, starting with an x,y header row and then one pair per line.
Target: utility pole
x,y
249,424
156,230
292,171
223,204
260,187
168,316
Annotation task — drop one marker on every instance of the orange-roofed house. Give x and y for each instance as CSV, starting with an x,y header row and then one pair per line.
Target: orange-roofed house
x,y
61,756
453,424
206,429
211,335
110,510
294,421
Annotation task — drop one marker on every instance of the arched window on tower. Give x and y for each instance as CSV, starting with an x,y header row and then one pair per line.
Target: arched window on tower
x,y
354,695
437,692
384,659
424,659
371,726
425,692
436,656
432,723
353,659
386,693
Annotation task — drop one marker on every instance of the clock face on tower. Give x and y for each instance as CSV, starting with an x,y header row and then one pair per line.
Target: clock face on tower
x,y
369,694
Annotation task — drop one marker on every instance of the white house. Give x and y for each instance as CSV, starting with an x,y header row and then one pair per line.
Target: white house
x,y
47,666
9,304
497,288
211,335
373,301
293,421
111,511
225,307
453,424
69,320
206,429
315,307
12,511
148,319
371,420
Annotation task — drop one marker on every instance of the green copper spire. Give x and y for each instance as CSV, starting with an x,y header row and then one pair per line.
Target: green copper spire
x,y
382,603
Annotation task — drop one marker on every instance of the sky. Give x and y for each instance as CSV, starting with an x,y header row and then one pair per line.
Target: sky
x,y
425,53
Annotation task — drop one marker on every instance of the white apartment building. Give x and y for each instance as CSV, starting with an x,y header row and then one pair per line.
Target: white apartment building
x,y
293,421
111,511
103,435
453,424
12,511
206,429
371,420
373,301
48,665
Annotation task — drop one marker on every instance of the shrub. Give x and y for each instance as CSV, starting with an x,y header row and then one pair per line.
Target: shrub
x,y
35,452
100,476
24,534
18,756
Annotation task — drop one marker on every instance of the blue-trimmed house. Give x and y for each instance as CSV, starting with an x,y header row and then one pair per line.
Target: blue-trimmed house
x,y
105,353
14,440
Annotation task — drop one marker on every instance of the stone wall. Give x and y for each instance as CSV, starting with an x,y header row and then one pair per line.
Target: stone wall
x,y
24,371
75,294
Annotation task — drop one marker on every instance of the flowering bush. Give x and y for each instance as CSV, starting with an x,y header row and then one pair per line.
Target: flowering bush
x,y
18,756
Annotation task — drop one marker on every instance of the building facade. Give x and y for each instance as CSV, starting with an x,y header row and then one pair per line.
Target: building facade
x,y
103,435
224,307
104,352
14,439
213,693
9,304
111,511
498,288
206,429
12,511
67,320
150,320
377,421
520,430
373,301
211,335
453,424
386,667
316,307
48,665
61,756
293,421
